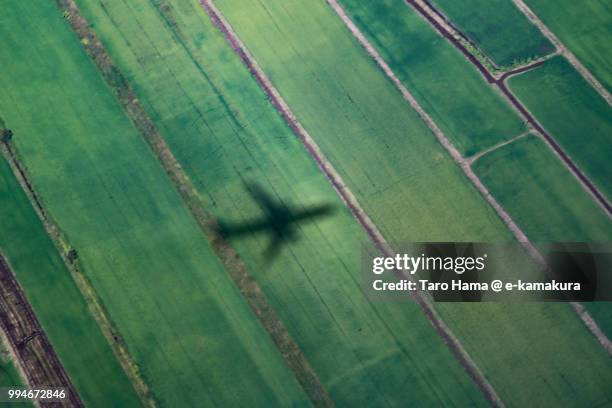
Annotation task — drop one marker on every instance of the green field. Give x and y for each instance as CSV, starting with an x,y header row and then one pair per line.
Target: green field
x,y
542,196
223,131
467,109
193,336
10,378
407,184
498,28
584,27
8,372
573,113
546,201
57,302
184,322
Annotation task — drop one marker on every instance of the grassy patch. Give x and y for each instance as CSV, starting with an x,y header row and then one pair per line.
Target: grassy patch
x,y
541,194
546,201
180,315
575,115
467,109
9,377
498,28
584,27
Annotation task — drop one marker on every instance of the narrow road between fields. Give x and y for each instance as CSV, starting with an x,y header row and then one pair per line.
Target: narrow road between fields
x,y
29,344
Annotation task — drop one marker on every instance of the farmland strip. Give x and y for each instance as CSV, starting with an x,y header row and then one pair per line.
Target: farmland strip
x,y
586,74
96,307
346,196
29,342
237,270
577,307
501,84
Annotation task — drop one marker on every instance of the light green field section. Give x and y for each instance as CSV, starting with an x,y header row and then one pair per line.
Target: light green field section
x,y
585,27
57,302
498,28
407,184
546,201
194,338
467,109
574,114
224,131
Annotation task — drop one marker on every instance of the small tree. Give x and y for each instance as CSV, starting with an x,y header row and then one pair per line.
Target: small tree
x,y
72,255
7,135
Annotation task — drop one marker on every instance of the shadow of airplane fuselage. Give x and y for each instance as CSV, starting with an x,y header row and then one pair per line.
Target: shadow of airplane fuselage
x,y
279,220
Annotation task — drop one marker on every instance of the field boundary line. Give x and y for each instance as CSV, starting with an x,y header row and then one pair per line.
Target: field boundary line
x,y
349,199
29,344
582,313
547,32
478,155
233,265
94,304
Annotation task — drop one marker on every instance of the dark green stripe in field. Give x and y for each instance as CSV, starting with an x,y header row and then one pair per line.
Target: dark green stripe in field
x,y
498,28
192,335
57,302
574,114
584,27
223,130
471,113
414,192
546,200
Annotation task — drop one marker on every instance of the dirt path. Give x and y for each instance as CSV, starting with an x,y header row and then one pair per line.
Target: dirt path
x,y
29,343
347,196
586,318
586,74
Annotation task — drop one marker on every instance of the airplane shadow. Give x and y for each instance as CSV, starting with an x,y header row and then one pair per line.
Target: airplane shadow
x,y
279,221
